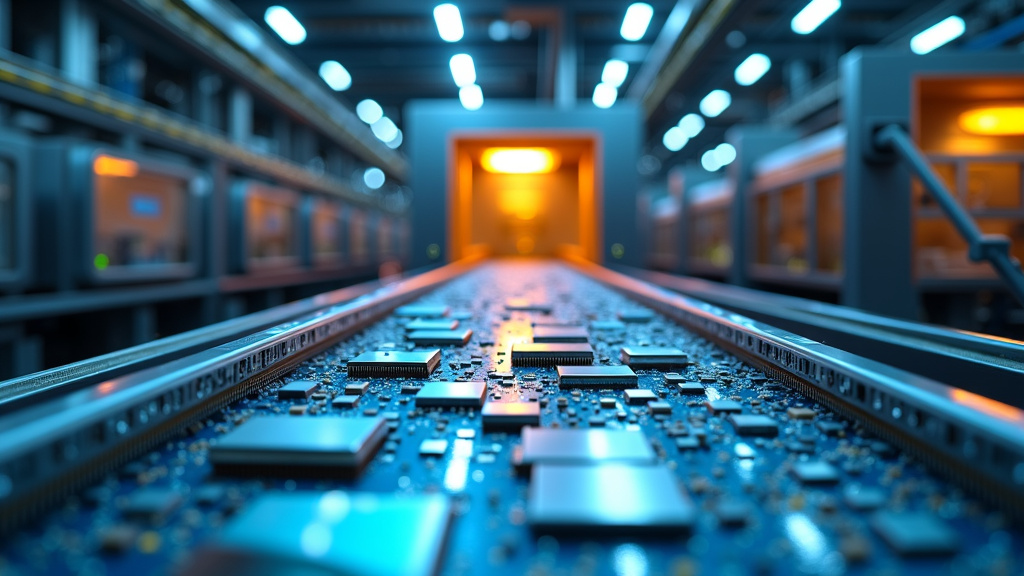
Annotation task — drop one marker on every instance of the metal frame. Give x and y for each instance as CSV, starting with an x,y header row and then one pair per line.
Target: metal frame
x,y
241,191
17,149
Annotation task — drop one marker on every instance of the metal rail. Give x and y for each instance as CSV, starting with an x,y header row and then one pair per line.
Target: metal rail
x,y
995,248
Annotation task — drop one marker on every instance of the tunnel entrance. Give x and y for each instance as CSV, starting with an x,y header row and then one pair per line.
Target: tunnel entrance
x,y
524,195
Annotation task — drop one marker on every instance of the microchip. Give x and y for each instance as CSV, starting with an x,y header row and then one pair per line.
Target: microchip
x,y
659,407
278,443
608,498
800,413
151,505
297,390
357,389
118,538
392,364
640,396
451,394
556,334
637,315
916,533
345,401
596,377
570,446
754,425
435,447
692,388
864,497
815,472
528,354
432,324
723,406
423,311
526,305
607,325
733,513
654,357
510,415
440,337
674,378
330,533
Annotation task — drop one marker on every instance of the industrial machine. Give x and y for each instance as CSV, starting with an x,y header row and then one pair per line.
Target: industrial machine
x,y
326,231
15,212
268,227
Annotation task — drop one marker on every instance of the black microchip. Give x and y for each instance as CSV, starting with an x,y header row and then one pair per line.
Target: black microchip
x,y
754,425
596,377
528,354
558,334
450,394
394,364
510,415
440,337
654,357
297,390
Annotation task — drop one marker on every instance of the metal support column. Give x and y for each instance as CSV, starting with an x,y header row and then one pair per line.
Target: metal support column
x,y
79,33
240,115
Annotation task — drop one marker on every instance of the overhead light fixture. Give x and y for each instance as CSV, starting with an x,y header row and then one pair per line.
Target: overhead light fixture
x,y
285,24
638,18
449,22
605,95
994,121
384,129
709,160
675,138
715,103
369,111
336,76
373,178
752,69
499,30
463,70
472,97
519,160
813,15
396,141
614,72
938,35
725,153
116,167
691,124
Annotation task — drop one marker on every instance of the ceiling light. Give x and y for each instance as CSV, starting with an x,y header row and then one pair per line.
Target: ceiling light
x,y
373,178
472,97
813,15
725,153
638,18
605,95
449,22
614,72
994,121
519,160
384,129
709,160
369,111
463,70
396,141
675,138
117,167
336,76
715,103
752,69
287,27
691,124
499,30
938,35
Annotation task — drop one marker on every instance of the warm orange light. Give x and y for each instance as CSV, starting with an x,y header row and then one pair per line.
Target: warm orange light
x,y
118,167
994,121
987,405
519,160
523,204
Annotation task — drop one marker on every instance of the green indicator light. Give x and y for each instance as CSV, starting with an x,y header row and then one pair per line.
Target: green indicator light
x,y
433,251
101,261
618,250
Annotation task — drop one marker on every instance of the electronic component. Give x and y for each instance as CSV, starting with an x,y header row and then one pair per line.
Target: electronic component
x,y
435,447
659,407
754,425
607,325
723,406
422,311
568,446
692,388
606,497
297,390
319,533
451,394
653,357
638,315
278,443
815,472
528,354
510,415
639,396
394,364
526,305
556,334
915,533
595,376
151,505
864,497
432,324
440,337
357,389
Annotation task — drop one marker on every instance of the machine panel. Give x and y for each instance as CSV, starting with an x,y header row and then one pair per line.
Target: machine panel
x,y
269,227
326,229
15,240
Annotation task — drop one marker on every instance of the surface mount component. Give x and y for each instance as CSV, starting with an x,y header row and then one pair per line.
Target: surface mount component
x,y
321,533
279,443
607,497
754,425
526,305
573,446
640,396
451,394
636,315
423,311
297,390
596,377
654,357
916,533
527,354
607,325
555,334
510,415
394,364
432,324
440,337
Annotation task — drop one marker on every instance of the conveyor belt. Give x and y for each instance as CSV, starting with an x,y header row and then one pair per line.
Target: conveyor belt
x,y
734,447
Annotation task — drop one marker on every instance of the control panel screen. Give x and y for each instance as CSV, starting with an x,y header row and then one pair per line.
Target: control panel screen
x,y
271,224
326,230
140,215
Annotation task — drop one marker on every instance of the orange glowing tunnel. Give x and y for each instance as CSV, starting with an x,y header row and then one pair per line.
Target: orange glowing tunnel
x,y
524,195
